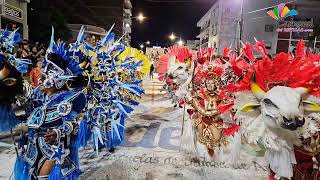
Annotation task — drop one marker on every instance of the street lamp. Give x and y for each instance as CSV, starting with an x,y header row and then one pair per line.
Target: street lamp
x,y
148,42
141,17
180,42
172,37
141,46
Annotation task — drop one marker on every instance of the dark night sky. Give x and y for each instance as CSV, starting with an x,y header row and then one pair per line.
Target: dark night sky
x,y
166,16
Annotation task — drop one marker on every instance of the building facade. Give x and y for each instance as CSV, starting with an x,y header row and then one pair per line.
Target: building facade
x,y
193,44
99,13
304,26
127,22
229,21
14,15
218,27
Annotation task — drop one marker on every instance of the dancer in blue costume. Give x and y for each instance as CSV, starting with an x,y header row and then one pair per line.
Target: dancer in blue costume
x,y
11,82
50,148
111,97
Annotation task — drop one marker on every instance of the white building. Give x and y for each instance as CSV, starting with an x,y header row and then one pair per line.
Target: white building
x,y
220,26
193,44
127,22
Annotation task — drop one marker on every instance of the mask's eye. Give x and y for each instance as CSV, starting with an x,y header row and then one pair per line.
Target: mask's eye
x,y
268,102
9,81
180,67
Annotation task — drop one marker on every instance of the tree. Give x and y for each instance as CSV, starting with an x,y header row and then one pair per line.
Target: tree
x,y
41,16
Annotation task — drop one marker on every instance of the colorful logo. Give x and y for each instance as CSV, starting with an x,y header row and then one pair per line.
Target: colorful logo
x,y
281,12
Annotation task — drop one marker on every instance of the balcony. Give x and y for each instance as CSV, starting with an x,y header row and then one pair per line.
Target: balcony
x,y
127,21
127,29
127,12
204,33
127,4
88,29
205,26
206,40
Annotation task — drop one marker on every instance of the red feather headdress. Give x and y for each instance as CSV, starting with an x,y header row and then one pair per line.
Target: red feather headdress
x,y
285,70
260,48
205,55
181,53
207,66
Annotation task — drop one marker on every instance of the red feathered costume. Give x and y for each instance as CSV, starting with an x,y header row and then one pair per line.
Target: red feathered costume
x,y
208,104
301,70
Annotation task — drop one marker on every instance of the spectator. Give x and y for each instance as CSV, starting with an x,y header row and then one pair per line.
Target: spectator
x,y
151,71
24,49
35,74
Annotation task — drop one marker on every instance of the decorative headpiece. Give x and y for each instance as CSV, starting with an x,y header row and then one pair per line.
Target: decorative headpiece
x,y
139,58
283,70
205,55
60,64
174,54
8,40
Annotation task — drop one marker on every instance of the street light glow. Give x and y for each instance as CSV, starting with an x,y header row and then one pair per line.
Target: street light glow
x,y
141,46
180,42
141,17
148,42
172,37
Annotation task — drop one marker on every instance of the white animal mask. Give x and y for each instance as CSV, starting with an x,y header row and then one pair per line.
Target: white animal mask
x,y
178,71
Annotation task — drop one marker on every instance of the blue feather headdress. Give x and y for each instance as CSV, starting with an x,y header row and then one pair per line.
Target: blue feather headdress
x,y
61,64
8,41
109,95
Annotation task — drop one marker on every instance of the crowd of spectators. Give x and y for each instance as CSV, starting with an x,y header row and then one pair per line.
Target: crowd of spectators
x,y
34,52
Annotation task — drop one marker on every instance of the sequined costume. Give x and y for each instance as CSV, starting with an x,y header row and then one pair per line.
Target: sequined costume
x,y
116,74
54,115
211,129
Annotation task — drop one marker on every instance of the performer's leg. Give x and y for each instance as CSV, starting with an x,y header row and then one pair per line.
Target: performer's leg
x,y
47,168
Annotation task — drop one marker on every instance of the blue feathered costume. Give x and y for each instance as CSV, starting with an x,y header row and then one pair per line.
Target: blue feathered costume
x,y
56,113
109,95
11,85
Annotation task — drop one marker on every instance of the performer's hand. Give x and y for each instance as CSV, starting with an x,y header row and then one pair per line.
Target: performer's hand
x,y
50,136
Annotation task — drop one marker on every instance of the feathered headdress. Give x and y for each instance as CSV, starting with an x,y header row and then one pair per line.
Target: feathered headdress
x,y
209,70
284,70
60,64
139,58
180,53
205,55
8,40
112,95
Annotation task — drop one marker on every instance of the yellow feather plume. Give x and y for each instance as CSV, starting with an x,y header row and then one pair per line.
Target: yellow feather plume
x,y
137,56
